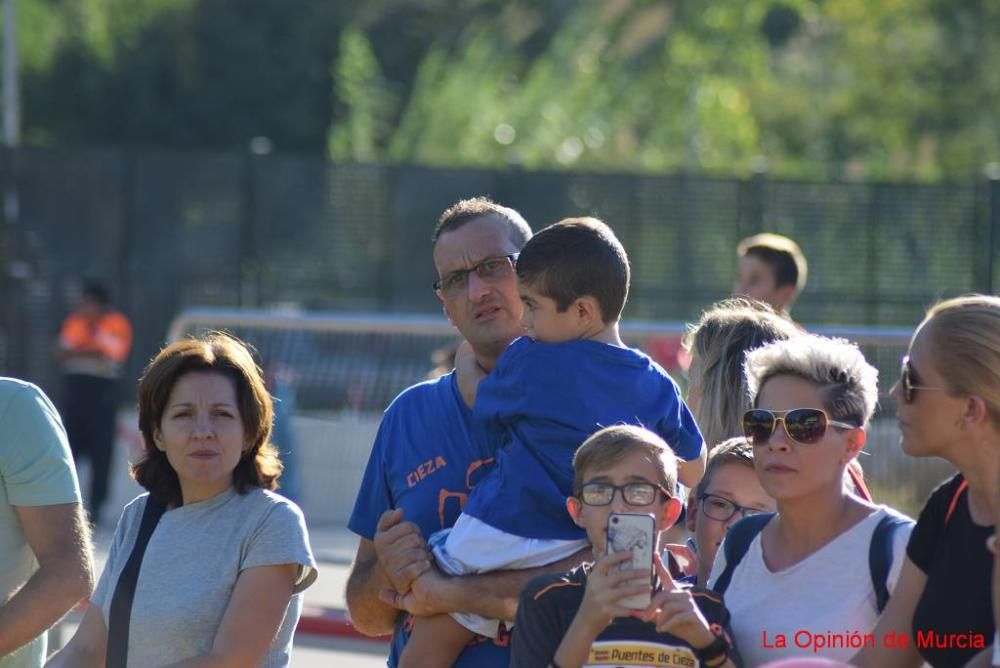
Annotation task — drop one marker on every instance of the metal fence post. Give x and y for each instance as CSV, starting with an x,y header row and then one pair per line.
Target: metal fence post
x,y
993,218
752,203
249,286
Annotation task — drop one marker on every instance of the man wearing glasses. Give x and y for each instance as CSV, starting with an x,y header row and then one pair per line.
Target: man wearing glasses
x,y
426,457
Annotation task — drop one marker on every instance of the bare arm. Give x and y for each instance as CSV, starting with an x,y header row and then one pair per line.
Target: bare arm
x,y
252,620
60,539
369,614
494,595
897,618
690,473
88,647
395,557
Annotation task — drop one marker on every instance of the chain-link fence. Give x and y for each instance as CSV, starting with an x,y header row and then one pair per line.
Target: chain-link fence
x,y
167,230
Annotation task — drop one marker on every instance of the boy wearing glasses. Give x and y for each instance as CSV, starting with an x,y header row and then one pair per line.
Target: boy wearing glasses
x,y
728,492
550,390
578,618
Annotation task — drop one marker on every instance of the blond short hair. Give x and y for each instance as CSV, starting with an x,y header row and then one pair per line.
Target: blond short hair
x,y
848,383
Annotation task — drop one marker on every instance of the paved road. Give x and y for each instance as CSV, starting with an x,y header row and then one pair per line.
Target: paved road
x,y
329,652
319,651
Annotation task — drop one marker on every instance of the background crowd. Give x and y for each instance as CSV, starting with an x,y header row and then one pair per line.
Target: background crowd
x,y
764,530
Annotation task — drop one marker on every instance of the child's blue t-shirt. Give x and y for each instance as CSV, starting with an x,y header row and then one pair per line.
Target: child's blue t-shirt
x,y
427,456
543,400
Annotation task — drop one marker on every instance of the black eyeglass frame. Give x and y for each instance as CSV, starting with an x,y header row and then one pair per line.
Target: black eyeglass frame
x,y
462,275
625,494
745,511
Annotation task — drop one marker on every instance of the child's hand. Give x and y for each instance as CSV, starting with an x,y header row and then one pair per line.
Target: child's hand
x,y
468,372
674,611
601,601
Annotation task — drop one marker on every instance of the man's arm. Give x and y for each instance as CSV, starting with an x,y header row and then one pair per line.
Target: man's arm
x,y
494,595
60,539
395,557
369,615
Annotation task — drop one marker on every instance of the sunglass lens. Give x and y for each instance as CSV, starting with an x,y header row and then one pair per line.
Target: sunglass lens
x,y
806,425
758,425
907,381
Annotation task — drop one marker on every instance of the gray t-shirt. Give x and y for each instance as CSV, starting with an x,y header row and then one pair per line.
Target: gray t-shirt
x,y
190,568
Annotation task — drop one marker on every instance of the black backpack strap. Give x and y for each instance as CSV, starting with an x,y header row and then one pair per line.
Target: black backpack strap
x,y
121,601
736,544
880,555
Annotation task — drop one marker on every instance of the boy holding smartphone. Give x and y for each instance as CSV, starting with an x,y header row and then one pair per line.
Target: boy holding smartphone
x,y
578,618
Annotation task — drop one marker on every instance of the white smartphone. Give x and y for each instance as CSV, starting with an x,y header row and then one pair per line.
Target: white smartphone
x,y
635,533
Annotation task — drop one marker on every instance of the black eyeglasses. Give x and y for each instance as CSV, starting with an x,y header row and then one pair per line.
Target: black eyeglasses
x,y
802,425
906,376
634,493
491,269
722,509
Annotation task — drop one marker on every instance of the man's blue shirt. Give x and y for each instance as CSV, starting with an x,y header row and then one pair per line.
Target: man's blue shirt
x,y
427,456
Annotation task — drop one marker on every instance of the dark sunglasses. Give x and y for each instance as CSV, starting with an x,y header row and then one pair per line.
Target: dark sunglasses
x,y
802,425
634,493
906,376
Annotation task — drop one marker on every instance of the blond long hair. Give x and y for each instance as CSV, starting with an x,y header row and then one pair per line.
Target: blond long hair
x,y
966,335
719,343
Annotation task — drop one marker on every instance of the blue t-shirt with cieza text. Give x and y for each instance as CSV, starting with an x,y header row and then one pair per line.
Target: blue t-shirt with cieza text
x,y
544,400
426,458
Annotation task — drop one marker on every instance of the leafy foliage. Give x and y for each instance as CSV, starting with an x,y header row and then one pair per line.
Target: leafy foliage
x,y
806,88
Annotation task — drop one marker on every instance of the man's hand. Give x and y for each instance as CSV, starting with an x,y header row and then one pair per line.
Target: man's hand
x,y
401,550
674,611
424,596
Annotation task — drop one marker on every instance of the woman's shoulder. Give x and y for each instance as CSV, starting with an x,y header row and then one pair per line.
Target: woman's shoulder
x,y
948,490
942,500
133,509
268,501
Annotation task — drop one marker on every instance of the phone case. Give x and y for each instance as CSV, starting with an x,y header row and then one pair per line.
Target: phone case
x,y
635,533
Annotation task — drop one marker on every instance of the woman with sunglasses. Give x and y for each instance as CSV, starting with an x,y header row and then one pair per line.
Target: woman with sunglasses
x,y
948,400
803,586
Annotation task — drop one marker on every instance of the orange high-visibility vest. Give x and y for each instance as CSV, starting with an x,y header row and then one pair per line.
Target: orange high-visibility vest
x,y
111,335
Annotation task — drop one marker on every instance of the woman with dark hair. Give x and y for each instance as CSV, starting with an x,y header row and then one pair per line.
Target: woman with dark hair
x,y
221,579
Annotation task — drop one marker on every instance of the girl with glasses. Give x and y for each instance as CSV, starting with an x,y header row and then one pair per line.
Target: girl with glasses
x,y
805,574
948,399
